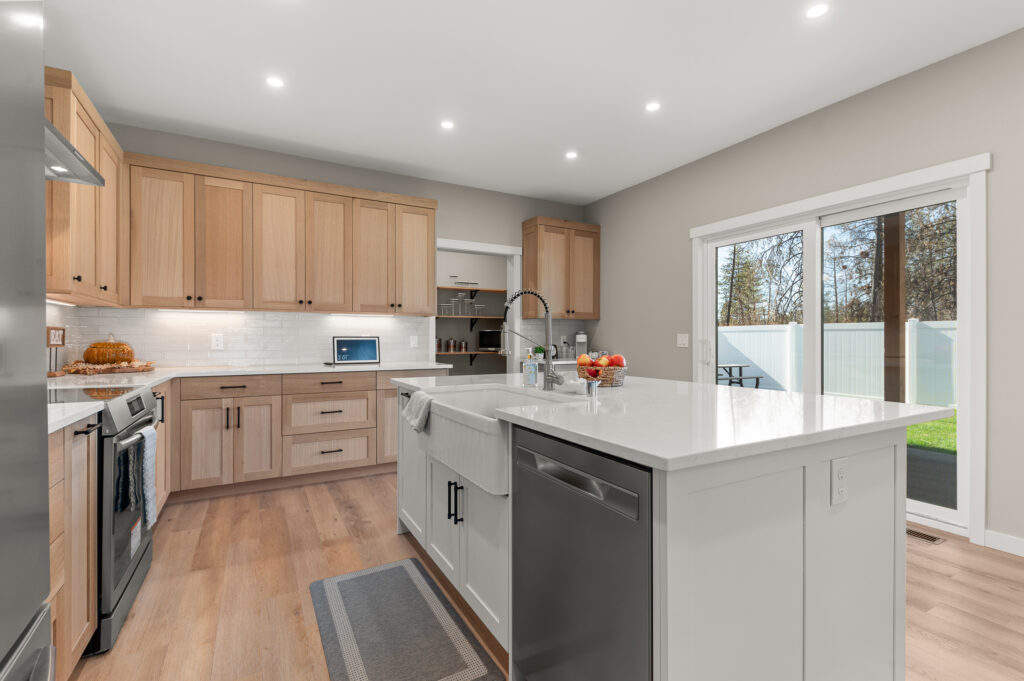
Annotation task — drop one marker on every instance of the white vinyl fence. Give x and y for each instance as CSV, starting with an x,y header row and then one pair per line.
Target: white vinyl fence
x,y
852,358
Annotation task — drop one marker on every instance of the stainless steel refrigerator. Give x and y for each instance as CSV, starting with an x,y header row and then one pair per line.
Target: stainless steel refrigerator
x,y
25,648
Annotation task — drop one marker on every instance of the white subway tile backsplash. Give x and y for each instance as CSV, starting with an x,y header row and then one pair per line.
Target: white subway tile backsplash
x,y
251,339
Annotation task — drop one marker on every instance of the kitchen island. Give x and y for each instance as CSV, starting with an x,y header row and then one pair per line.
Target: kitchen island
x,y
776,541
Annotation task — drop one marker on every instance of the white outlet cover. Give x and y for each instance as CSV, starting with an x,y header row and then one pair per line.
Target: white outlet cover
x,y
682,340
840,490
414,341
216,341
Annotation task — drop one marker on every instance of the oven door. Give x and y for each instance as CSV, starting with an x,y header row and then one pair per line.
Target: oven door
x,y
123,535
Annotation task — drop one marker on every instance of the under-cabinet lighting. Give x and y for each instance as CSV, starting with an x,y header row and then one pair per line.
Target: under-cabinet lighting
x,y
59,302
58,169
27,19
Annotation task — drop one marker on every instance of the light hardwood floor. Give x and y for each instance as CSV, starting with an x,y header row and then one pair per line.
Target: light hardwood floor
x,y
228,599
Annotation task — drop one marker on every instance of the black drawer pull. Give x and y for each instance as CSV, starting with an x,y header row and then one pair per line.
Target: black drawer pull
x,y
331,451
238,417
331,382
88,429
227,418
333,411
232,387
405,395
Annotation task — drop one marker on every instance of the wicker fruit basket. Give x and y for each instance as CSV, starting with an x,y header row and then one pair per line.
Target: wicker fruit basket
x,y
611,377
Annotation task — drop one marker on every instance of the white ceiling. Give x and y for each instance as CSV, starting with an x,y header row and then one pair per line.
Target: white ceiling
x,y
367,83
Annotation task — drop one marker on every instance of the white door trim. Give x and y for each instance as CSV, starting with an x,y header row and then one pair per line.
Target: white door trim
x,y
969,177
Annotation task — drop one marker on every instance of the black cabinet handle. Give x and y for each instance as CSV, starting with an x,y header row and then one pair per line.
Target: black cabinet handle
x,y
232,387
163,406
300,302
574,311
77,278
188,297
238,417
88,429
405,394
103,288
309,302
458,488
331,382
332,411
567,311
399,305
199,297
451,513
331,451
227,418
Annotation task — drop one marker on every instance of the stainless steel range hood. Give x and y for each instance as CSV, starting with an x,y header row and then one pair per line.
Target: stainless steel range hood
x,y
64,163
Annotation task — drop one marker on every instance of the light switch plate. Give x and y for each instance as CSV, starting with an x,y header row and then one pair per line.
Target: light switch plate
x,y
840,491
682,340
414,341
216,341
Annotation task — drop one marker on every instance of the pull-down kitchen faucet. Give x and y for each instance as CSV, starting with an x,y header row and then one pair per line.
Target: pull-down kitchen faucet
x,y
551,379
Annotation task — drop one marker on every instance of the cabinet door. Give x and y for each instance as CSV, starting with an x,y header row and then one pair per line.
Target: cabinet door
x,y
412,482
546,270
585,274
162,238
328,253
85,137
484,552
387,426
206,442
442,531
81,476
164,428
257,438
329,411
108,236
373,262
223,243
279,248
415,286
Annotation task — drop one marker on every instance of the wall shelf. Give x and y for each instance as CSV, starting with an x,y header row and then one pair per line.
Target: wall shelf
x,y
470,353
472,290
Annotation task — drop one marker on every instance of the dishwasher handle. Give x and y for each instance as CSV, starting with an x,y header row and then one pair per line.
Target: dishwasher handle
x,y
603,492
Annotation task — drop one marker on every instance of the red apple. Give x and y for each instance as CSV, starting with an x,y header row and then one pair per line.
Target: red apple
x,y
603,361
584,360
593,373
617,360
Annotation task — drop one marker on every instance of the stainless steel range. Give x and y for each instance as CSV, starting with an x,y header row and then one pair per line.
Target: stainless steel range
x,y
125,545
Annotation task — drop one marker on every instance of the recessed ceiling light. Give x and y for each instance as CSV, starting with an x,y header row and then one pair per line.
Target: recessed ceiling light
x,y
447,125
274,81
571,155
817,11
58,169
27,19
653,106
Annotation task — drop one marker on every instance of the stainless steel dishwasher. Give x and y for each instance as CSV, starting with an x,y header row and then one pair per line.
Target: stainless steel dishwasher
x,y
581,564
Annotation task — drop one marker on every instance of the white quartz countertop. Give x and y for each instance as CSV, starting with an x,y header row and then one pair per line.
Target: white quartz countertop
x,y
159,375
60,415
672,425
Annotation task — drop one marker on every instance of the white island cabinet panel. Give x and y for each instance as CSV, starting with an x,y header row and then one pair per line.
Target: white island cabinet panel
x,y
485,554
851,571
442,532
737,560
412,480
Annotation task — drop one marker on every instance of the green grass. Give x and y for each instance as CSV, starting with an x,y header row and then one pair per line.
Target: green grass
x,y
938,436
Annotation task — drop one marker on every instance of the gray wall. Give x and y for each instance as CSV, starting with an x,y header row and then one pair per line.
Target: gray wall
x,y
969,104
462,212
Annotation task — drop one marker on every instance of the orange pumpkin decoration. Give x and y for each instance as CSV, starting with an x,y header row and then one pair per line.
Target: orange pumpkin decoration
x,y
108,352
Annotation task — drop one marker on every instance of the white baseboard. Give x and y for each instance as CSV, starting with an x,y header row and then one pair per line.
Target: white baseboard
x,y
936,524
1004,542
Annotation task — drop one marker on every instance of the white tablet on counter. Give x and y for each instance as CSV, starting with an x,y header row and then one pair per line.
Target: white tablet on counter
x,y
356,350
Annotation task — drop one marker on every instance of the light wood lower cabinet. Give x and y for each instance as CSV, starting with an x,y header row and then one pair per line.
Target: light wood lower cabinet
x,y
81,507
315,452
387,426
257,439
207,443
329,411
165,469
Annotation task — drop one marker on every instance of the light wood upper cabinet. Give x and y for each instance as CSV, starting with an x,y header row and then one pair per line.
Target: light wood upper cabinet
x,y
415,291
86,229
206,443
373,238
162,238
585,274
328,253
257,438
562,261
279,248
223,244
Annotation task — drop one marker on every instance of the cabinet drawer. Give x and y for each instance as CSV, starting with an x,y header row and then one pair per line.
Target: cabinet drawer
x,y
57,510
329,451
207,387
330,382
329,411
56,564
55,447
384,377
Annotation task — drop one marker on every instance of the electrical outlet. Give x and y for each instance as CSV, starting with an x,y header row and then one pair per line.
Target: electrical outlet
x,y
216,341
682,340
840,491
414,341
